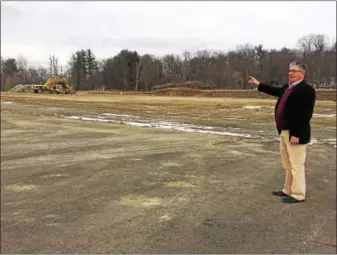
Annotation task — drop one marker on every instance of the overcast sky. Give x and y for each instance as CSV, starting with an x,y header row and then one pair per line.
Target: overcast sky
x,y
38,29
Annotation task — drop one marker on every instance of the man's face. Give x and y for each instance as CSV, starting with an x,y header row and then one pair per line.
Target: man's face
x,y
295,74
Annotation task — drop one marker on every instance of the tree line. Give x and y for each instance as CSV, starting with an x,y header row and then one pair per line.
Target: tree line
x,y
128,70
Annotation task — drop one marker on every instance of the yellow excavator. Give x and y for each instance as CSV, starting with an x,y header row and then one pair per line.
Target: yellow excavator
x,y
55,85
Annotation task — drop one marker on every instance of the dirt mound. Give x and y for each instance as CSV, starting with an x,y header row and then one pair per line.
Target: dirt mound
x,y
186,84
20,88
321,94
206,93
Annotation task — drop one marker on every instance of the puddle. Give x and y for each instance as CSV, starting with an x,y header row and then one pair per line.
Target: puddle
x,y
165,125
317,115
141,201
18,188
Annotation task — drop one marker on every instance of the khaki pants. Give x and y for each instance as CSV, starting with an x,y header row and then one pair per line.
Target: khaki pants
x,y
293,160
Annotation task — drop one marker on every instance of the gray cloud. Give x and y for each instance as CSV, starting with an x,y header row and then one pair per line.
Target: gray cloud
x,y
38,29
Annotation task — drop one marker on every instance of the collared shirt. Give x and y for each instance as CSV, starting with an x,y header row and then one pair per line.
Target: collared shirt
x,y
295,83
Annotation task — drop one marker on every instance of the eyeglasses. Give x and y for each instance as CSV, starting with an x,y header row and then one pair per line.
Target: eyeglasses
x,y
294,71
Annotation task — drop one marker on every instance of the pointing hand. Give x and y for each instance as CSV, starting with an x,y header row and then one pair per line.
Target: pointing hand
x,y
253,81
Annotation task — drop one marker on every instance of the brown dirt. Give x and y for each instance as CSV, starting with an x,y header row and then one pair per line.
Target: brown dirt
x,y
72,186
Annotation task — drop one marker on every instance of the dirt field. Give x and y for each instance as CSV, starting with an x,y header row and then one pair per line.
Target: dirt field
x,y
144,174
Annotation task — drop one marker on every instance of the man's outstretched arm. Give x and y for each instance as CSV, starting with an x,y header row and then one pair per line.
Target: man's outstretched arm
x,y
268,89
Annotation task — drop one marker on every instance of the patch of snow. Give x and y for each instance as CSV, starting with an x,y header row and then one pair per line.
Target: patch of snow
x,y
118,115
324,115
87,118
331,141
52,108
251,107
166,125
313,141
6,102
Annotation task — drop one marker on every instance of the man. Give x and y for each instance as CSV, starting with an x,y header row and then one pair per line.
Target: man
x,y
293,112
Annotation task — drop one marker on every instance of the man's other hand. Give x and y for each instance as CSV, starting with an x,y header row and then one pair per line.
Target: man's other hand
x,y
294,140
253,81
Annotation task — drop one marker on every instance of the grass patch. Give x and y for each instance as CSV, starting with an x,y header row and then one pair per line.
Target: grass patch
x,y
193,110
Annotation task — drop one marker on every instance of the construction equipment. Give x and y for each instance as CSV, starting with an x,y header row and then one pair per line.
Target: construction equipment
x,y
57,85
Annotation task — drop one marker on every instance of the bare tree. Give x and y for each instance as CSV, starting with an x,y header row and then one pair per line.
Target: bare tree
x,y
306,43
53,66
127,70
320,42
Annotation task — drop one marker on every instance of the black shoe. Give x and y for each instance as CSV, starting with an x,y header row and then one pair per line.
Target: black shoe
x,y
279,194
291,200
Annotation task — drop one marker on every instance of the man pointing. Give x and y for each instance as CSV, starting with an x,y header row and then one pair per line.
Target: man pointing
x,y
293,112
